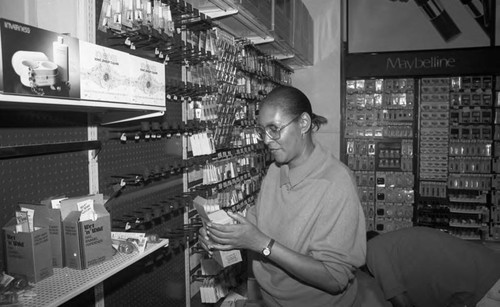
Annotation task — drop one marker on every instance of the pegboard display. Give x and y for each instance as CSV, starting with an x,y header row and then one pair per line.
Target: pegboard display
x,y
379,128
119,160
440,175
153,150
33,178
19,128
140,154
159,281
139,205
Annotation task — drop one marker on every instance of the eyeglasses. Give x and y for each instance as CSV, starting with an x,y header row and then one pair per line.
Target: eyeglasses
x,y
273,132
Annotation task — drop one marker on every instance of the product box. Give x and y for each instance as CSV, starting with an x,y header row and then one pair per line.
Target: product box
x,y
223,258
38,62
49,218
28,253
87,237
104,73
147,82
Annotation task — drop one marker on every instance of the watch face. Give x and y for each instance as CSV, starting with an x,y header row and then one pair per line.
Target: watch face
x,y
266,251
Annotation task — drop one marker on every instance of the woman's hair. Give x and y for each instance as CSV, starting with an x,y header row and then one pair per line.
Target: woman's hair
x,y
294,102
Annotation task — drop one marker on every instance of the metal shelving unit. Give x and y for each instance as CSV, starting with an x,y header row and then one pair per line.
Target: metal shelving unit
x,y
67,283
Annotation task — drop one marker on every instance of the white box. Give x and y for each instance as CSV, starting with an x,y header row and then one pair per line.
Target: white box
x,y
224,258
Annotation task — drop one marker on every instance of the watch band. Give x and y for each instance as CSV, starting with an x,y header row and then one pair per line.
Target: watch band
x,y
267,250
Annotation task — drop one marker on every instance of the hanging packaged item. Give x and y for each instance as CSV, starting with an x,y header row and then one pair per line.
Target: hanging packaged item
x,y
87,231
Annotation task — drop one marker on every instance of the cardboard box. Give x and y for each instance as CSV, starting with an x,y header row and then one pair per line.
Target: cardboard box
x,y
223,258
87,242
28,253
38,62
51,219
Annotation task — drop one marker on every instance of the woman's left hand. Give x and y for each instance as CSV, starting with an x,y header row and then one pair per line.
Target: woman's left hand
x,y
242,235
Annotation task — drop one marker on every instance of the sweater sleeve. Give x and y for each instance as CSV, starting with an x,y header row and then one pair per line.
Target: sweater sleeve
x,y
339,238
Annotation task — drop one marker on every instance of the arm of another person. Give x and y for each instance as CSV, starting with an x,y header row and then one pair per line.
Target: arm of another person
x,y
382,263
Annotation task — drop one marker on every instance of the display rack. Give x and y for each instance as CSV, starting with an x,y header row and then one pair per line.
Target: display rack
x,y
67,283
453,143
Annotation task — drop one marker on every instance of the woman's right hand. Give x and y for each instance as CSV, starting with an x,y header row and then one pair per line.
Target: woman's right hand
x,y
204,240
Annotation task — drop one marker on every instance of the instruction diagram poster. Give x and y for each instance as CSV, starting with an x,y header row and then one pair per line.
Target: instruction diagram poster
x,y
105,73
147,82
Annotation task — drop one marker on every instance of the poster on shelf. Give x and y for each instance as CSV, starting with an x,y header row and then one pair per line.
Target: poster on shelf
x,y
104,73
39,62
147,82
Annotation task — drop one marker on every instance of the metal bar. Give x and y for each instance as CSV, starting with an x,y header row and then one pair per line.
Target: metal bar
x,y
44,149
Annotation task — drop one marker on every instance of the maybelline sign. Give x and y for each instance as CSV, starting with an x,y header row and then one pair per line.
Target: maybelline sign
x,y
398,63
423,63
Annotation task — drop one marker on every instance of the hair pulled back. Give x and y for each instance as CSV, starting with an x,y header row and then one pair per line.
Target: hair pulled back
x,y
294,102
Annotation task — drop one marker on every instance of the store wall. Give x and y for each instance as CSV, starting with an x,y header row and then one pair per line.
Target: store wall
x,y
368,23
322,81
71,16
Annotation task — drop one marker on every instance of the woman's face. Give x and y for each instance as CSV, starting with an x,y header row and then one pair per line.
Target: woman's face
x,y
288,148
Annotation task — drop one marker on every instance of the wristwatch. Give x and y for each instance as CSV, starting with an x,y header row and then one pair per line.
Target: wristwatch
x,y
267,250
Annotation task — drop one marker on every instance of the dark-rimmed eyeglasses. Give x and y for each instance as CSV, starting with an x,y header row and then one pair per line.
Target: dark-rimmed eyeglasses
x,y
273,132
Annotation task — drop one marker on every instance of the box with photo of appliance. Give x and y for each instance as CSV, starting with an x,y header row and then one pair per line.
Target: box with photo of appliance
x,y
39,62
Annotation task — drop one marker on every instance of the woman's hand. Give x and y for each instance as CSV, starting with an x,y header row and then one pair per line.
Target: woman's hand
x,y
204,240
242,235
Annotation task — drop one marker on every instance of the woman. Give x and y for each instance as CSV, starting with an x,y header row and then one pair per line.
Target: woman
x,y
307,226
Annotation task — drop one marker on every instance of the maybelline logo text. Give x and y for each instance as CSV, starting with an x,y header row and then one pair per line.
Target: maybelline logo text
x,y
420,63
16,27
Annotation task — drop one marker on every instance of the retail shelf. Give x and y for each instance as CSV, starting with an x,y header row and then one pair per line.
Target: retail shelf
x,y
67,283
107,112
15,101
